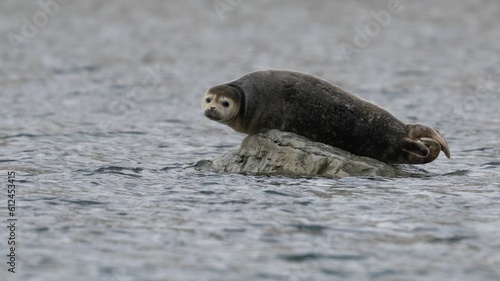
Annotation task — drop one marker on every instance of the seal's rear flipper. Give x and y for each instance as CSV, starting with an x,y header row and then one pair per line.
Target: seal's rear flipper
x,y
424,136
417,152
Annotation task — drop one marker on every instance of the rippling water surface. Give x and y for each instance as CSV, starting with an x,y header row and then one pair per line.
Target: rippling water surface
x,y
101,122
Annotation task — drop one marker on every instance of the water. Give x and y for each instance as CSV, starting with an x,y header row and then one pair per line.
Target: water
x,y
101,122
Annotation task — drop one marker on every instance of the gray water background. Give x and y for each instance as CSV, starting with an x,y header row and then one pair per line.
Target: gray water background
x,y
101,122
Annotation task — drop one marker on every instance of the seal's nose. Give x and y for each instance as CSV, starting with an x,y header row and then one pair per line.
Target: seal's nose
x,y
212,107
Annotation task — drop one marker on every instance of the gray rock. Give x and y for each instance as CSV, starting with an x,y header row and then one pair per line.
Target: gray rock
x,y
284,153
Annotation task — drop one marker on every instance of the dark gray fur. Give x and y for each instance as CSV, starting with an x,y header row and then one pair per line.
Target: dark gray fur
x,y
323,112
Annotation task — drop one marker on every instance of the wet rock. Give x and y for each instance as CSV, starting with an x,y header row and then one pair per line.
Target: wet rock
x,y
284,153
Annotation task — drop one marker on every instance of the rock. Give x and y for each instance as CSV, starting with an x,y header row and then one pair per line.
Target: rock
x,y
288,154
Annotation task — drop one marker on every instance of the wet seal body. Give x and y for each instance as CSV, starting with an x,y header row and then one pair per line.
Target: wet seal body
x,y
323,112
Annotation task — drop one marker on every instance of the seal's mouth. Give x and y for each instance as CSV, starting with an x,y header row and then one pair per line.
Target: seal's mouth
x,y
212,114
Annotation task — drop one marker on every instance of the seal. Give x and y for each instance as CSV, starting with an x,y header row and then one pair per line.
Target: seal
x,y
323,112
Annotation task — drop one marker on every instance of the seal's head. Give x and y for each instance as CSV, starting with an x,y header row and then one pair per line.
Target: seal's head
x,y
222,103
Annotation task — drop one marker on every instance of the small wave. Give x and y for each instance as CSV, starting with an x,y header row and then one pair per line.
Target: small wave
x,y
310,228
491,165
118,170
410,72
76,69
175,166
457,173
174,121
84,202
228,202
20,136
478,149
274,192
451,239
313,256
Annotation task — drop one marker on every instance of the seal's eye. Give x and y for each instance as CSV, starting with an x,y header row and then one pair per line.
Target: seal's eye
x,y
208,100
225,104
